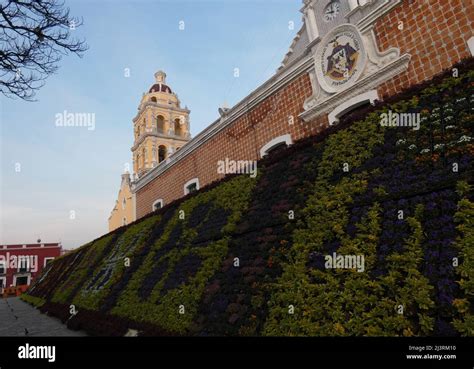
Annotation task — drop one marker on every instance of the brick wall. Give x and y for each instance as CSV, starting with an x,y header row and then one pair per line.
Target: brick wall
x,y
240,141
434,33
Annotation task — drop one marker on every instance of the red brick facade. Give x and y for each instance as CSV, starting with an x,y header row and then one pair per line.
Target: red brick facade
x,y
434,33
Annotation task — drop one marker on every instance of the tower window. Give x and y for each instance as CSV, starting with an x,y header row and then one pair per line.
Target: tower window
x,y
161,153
160,124
178,130
153,99
124,202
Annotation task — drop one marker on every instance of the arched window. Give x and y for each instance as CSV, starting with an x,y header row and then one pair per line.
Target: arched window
x,y
158,204
143,157
178,130
161,153
124,203
124,221
350,105
276,144
191,186
160,124
153,99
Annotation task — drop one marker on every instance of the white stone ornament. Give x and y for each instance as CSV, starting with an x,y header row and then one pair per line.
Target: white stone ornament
x,y
340,58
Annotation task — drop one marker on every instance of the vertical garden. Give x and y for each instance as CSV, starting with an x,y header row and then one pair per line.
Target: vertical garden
x,y
246,256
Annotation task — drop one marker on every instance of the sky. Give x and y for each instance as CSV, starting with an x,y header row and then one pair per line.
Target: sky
x,y
59,184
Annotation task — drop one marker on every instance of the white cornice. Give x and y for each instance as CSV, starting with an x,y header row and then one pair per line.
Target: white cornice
x,y
378,12
369,82
281,78
158,105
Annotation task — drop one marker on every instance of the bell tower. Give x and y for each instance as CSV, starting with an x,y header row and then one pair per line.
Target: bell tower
x,y
161,126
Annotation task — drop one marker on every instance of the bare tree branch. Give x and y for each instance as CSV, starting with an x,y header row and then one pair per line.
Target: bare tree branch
x,y
34,35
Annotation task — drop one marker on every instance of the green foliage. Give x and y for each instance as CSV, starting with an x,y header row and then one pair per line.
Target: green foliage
x,y
32,300
79,272
91,294
465,244
404,293
162,307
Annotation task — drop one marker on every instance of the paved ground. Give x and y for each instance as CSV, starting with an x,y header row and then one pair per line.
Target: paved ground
x,y
16,316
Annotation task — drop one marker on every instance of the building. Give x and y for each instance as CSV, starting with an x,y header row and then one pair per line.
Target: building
x,y
161,128
123,212
347,54
20,264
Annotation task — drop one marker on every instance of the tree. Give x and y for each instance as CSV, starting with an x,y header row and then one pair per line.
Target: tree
x,y
34,35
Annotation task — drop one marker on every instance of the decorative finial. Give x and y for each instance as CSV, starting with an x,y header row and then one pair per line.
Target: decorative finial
x,y
160,77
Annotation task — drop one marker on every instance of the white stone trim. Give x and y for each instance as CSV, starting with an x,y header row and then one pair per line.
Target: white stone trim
x,y
15,276
379,12
46,260
134,204
274,142
470,43
156,202
369,96
367,83
191,181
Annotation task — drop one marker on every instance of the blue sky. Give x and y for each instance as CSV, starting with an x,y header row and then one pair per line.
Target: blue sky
x,y
66,169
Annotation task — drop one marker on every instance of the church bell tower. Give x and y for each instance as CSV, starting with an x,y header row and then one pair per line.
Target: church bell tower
x,y
160,128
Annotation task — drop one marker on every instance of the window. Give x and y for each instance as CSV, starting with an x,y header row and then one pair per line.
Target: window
x,y
3,269
158,204
160,124
124,221
191,186
178,131
356,3
3,282
352,104
161,153
48,260
276,144
153,99
20,281
124,203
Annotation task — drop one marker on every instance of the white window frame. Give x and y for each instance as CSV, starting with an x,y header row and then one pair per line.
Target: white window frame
x,y
190,182
15,276
156,202
351,104
46,260
353,4
470,43
275,142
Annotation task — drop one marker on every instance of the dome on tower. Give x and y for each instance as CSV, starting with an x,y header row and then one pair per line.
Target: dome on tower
x,y
160,83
